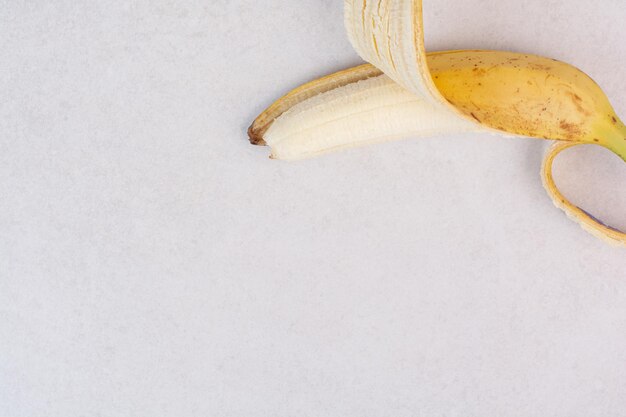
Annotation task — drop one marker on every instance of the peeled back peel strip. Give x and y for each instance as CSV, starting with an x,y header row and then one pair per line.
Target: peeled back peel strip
x,y
517,94
588,222
406,92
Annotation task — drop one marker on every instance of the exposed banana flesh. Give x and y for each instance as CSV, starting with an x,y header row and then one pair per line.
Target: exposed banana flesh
x,y
406,92
257,130
366,111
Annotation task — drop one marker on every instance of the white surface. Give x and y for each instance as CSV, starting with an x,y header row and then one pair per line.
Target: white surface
x,y
153,263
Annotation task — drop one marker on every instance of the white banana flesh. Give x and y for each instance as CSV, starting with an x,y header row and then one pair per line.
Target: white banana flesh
x,y
368,111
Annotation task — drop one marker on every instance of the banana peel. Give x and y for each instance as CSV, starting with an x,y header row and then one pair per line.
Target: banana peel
x,y
404,91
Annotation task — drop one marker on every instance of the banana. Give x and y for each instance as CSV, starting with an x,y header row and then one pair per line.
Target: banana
x,y
406,92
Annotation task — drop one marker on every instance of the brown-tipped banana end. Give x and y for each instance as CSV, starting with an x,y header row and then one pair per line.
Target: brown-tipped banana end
x,y
256,136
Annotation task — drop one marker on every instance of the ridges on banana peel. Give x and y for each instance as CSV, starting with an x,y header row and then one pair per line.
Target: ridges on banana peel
x,y
437,93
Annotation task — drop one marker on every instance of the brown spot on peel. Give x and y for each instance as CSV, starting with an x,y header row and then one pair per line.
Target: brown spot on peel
x,y
578,103
571,130
479,71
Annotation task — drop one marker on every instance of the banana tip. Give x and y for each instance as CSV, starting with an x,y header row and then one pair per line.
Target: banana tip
x,y
256,137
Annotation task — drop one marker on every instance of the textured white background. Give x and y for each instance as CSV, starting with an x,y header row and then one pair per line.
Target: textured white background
x,y
153,263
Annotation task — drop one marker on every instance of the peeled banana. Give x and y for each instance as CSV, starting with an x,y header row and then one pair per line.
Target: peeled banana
x,y
406,92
